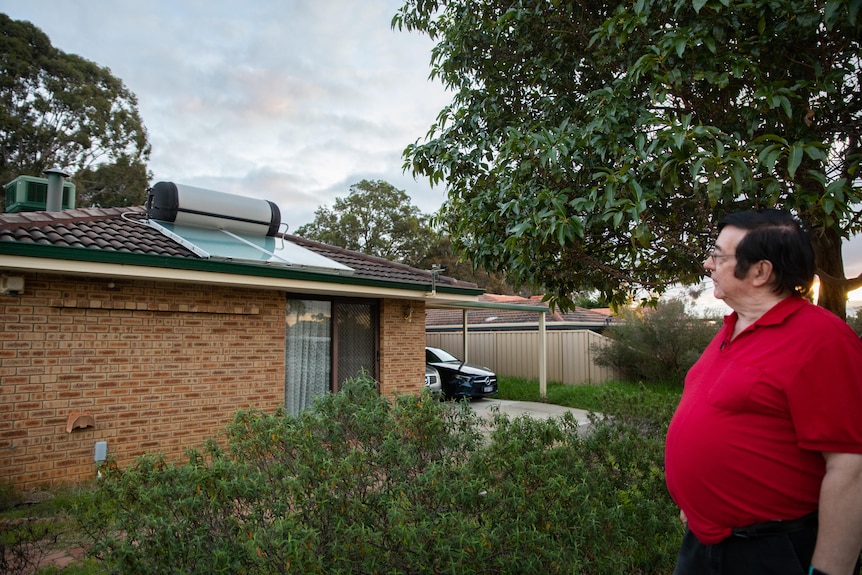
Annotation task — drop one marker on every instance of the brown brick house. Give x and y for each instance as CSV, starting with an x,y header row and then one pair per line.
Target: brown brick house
x,y
117,337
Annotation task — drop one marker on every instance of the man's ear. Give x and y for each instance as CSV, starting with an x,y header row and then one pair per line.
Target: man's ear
x,y
760,273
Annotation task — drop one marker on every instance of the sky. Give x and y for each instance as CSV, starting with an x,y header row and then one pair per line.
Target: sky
x,y
291,101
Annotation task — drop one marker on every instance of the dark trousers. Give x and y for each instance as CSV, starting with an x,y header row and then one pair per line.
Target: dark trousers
x,y
769,554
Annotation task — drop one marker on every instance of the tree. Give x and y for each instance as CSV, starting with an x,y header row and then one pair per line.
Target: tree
x,y
60,110
123,183
593,145
855,321
440,253
376,219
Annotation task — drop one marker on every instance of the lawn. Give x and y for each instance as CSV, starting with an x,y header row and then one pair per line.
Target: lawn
x,y
38,533
594,397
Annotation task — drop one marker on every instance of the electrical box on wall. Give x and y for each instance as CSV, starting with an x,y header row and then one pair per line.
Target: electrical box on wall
x,y
11,285
101,451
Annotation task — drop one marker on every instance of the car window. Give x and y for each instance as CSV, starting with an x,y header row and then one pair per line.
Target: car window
x,y
440,355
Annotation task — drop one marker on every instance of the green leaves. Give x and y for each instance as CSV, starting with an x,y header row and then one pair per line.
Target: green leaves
x,y
593,145
364,484
376,219
59,109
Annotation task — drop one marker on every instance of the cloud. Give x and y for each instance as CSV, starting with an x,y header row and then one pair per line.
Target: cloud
x,y
290,101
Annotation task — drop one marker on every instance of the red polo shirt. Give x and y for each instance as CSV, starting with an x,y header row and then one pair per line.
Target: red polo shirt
x,y
745,443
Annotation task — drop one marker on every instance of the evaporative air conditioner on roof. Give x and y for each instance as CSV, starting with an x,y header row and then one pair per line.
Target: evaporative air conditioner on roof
x,y
30,194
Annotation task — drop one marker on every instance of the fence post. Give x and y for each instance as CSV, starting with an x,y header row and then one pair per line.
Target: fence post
x,y
543,359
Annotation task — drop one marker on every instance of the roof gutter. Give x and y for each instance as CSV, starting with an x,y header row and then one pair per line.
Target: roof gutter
x,y
90,262
536,308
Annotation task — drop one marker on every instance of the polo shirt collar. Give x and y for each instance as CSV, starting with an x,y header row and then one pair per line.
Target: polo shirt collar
x,y
775,315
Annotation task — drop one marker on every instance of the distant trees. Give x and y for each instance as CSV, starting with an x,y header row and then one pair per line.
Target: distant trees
x,y
60,110
380,220
441,253
376,219
123,183
656,344
855,321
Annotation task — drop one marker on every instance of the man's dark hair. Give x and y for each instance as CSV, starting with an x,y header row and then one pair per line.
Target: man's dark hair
x,y
780,238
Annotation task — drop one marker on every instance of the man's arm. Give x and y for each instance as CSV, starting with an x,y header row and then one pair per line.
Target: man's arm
x,y
839,535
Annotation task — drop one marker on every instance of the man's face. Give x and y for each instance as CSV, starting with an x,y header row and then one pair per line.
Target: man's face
x,y
721,263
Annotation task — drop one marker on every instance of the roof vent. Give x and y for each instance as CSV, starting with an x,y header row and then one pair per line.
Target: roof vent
x,y
56,177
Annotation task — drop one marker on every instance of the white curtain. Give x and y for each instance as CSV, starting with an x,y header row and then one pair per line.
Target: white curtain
x,y
308,352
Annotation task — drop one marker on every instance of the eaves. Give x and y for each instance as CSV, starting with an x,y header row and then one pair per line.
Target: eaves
x,y
107,263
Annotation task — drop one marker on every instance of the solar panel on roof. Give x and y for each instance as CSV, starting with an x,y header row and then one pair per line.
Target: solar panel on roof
x,y
221,244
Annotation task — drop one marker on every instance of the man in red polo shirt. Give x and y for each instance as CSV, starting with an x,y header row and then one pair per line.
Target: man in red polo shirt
x,y
764,452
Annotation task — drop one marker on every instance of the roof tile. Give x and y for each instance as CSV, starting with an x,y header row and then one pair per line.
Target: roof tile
x,y
125,230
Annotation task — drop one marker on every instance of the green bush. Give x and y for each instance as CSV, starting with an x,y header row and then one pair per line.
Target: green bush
x,y
362,484
33,527
656,345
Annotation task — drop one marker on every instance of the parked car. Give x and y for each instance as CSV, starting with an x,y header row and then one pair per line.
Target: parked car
x,y
461,379
432,380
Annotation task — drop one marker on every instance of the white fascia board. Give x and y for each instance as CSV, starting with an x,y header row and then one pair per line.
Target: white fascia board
x,y
124,271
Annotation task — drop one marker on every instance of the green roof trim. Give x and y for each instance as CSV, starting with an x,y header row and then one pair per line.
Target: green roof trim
x,y
91,255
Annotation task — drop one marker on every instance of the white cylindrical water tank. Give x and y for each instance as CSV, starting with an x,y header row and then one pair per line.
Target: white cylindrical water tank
x,y
188,205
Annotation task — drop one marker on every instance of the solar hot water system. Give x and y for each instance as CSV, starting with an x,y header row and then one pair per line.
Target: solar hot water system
x,y
228,227
188,205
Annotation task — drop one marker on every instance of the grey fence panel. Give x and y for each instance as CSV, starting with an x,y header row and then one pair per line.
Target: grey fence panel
x,y
516,353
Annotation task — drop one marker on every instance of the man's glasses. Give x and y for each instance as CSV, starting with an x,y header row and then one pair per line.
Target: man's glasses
x,y
716,258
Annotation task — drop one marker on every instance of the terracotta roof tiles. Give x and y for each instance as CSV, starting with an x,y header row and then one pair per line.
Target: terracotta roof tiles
x,y
124,230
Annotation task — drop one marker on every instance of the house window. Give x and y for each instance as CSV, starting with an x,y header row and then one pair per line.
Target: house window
x,y
328,342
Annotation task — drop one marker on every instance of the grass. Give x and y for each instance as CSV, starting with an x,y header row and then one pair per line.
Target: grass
x,y
40,523
592,397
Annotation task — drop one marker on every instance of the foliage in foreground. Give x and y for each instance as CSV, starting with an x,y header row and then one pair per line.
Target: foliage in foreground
x,y
362,484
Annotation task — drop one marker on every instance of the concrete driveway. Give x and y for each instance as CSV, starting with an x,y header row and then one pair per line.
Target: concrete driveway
x,y
513,409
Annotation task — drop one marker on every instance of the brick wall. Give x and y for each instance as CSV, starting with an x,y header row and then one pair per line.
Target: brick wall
x,y
160,366
402,346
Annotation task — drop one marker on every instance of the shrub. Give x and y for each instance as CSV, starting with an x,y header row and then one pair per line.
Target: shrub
x,y
362,484
656,345
32,528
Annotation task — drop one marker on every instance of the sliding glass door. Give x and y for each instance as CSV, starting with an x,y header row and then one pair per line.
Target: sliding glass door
x,y
327,342
308,350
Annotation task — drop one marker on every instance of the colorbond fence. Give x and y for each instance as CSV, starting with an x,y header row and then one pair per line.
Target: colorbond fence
x,y
516,353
